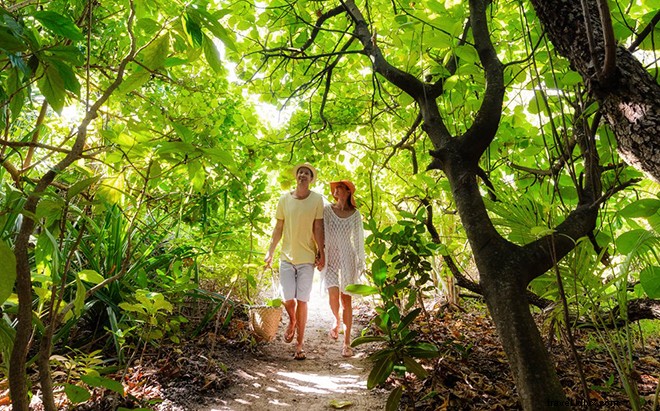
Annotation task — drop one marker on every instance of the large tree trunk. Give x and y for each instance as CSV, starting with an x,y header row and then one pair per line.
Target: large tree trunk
x,y
629,97
504,271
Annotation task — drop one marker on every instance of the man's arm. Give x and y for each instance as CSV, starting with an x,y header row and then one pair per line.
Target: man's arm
x,y
276,237
319,237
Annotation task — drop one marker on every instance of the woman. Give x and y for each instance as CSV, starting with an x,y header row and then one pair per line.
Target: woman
x,y
344,252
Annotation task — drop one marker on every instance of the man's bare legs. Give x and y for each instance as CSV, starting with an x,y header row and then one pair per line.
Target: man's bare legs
x,y
333,299
290,306
347,317
301,322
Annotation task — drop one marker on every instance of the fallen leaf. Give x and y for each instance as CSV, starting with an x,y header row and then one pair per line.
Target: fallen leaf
x,y
338,405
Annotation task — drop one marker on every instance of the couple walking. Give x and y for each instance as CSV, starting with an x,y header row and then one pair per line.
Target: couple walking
x,y
329,238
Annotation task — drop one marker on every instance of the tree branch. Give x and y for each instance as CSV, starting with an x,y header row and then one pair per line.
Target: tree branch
x,y
481,133
644,33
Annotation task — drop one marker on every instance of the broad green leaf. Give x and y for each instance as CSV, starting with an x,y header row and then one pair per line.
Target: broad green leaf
x,y
193,29
98,381
7,271
361,289
9,42
410,317
212,55
379,271
467,53
394,398
629,241
649,277
51,85
154,55
414,367
79,301
81,185
641,208
59,24
76,394
423,350
70,81
367,339
382,369
212,22
91,276
134,81
71,54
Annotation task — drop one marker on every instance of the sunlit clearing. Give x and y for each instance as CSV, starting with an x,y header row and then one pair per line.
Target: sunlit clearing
x,y
322,384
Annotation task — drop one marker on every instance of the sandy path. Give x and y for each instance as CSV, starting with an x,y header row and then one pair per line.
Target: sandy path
x,y
272,380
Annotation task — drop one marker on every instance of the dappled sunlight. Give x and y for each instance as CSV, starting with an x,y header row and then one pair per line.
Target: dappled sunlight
x,y
322,384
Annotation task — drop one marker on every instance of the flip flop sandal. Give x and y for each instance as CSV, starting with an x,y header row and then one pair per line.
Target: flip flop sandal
x,y
347,351
300,355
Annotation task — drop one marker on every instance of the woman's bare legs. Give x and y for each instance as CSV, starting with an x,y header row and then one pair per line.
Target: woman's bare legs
x,y
347,317
333,299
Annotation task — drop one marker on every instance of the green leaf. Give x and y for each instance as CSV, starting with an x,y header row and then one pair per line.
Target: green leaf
x,y
423,350
212,55
98,381
367,339
361,289
414,367
7,271
408,319
134,81
631,240
154,55
394,399
79,301
71,54
379,271
212,22
51,85
70,81
641,208
76,394
9,42
91,276
59,24
194,30
79,186
649,277
382,369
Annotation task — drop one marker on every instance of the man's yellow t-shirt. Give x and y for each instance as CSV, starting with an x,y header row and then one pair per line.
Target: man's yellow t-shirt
x,y
298,245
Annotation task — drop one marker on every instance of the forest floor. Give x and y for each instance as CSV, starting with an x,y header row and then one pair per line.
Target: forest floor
x,y
228,371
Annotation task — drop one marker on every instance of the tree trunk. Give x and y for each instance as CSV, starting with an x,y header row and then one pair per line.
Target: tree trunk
x,y
533,371
503,269
629,98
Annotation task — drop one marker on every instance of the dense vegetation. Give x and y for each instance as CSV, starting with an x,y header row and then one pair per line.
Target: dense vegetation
x,y
145,142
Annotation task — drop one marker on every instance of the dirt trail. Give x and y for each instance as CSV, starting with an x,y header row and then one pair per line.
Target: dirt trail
x,y
272,380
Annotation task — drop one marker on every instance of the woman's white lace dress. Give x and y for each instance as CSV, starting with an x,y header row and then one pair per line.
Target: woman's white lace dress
x,y
344,249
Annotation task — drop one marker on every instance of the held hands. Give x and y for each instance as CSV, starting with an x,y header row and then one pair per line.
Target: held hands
x,y
320,260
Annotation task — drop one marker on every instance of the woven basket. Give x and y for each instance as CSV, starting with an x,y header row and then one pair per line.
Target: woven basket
x,y
265,320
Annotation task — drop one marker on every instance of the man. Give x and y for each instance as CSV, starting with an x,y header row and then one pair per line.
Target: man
x,y
300,226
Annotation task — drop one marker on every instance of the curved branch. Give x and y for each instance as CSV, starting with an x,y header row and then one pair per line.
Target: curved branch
x,y
644,33
609,63
482,132
401,79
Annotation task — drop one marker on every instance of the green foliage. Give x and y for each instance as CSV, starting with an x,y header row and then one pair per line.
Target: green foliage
x,y
400,274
